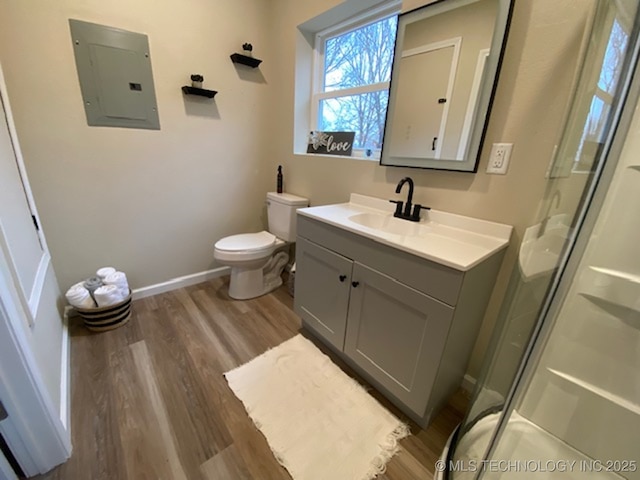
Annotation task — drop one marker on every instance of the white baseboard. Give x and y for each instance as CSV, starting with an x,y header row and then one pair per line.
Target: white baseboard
x,y
179,282
468,383
65,374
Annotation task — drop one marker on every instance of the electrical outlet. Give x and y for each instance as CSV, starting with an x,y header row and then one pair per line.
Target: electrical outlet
x,y
499,159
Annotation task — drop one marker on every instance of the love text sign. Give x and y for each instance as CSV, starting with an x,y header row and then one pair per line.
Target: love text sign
x,y
331,143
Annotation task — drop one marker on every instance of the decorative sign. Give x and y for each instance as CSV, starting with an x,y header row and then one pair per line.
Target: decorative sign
x,y
331,143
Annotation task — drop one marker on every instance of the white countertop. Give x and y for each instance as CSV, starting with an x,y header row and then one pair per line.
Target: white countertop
x,y
452,240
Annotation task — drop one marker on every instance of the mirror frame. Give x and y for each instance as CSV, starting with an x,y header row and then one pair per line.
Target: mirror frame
x,y
486,91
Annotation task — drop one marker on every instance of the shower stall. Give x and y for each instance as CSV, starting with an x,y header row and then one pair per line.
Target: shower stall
x,y
559,392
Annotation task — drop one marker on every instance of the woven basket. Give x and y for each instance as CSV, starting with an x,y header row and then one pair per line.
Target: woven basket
x,y
106,318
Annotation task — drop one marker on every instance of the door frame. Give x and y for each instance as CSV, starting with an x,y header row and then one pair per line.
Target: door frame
x,y
456,43
472,104
34,430
29,300
6,472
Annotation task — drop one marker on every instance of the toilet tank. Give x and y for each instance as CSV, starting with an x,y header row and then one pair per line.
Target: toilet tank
x,y
281,210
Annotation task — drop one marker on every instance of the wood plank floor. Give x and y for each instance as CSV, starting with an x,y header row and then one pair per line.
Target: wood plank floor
x,y
149,400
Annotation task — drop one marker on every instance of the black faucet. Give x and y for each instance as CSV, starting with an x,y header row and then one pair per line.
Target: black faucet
x,y
406,214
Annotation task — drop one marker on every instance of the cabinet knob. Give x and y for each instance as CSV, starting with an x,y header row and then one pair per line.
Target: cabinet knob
x,y
343,278
355,284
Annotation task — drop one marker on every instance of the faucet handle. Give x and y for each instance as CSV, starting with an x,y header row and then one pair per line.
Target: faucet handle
x,y
416,212
399,204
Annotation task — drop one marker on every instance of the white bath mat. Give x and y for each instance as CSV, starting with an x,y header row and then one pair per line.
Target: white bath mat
x,y
319,423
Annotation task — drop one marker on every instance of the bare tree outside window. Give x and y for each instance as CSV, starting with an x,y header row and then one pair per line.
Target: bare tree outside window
x,y
613,59
357,69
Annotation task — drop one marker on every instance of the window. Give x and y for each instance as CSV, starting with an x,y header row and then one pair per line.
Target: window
x,y
352,72
603,96
597,92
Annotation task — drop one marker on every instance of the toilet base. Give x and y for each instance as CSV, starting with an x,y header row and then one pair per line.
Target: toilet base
x,y
251,283
245,283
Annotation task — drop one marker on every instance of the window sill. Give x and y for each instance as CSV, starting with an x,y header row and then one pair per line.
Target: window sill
x,y
372,158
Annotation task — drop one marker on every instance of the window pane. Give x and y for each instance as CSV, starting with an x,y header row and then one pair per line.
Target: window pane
x,y
592,134
613,57
360,57
363,114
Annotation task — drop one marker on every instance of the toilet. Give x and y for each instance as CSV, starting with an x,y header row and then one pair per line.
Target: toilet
x,y
255,269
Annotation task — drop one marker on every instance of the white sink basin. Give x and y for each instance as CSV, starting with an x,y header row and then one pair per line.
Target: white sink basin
x,y
388,224
446,238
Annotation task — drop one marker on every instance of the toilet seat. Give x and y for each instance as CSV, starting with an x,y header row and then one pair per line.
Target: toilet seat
x,y
248,246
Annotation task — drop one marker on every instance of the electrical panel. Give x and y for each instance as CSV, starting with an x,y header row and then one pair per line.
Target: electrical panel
x,y
116,81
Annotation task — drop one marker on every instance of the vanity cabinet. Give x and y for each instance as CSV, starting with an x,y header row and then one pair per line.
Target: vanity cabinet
x,y
405,323
321,270
395,334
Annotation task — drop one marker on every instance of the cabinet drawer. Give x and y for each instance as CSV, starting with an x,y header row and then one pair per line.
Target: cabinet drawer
x,y
397,335
436,280
323,279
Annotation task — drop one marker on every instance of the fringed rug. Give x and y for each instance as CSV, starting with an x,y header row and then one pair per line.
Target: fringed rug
x,y
319,423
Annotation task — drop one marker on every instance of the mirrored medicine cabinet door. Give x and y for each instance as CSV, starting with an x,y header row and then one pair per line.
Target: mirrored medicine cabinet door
x,y
445,71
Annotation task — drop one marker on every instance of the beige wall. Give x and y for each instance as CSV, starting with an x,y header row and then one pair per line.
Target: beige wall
x,y
151,203
154,202
529,109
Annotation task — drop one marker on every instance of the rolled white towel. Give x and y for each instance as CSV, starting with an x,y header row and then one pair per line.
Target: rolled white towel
x,y
78,296
119,279
104,272
107,295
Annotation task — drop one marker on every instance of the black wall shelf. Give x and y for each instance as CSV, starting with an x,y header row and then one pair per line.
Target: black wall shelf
x,y
201,92
245,60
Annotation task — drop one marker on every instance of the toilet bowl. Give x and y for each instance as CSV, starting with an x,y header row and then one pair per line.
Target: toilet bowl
x,y
257,259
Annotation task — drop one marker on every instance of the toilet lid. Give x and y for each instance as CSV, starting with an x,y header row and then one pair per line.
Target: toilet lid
x,y
246,241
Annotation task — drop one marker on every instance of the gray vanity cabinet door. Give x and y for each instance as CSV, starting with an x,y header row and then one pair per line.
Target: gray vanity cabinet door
x,y
396,334
322,286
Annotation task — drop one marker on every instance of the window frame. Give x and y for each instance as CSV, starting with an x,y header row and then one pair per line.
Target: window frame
x,y
373,15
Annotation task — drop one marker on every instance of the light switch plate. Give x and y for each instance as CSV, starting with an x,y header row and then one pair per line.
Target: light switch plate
x,y
499,158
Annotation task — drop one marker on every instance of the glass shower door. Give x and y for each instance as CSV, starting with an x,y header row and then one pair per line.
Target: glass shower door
x,y
607,62
576,412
